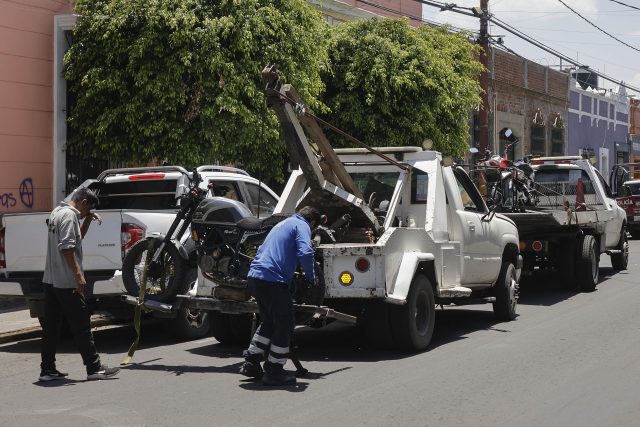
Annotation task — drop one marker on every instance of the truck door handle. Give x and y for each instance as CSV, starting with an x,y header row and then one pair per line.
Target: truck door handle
x,y
472,225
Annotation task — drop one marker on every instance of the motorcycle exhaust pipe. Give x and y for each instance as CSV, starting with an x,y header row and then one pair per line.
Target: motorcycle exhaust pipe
x,y
150,304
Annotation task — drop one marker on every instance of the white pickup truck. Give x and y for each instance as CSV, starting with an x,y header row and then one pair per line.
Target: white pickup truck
x,y
575,220
134,203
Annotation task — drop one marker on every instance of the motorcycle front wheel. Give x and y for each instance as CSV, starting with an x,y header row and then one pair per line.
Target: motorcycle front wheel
x,y
165,275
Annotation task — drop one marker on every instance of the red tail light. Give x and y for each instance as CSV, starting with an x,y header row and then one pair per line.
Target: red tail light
x,y
536,245
362,265
130,234
3,261
536,162
146,176
504,164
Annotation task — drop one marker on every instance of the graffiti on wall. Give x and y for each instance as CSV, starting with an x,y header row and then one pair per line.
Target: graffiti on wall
x,y
23,195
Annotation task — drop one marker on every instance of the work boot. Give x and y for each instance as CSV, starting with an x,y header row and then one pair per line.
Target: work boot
x,y
251,370
280,377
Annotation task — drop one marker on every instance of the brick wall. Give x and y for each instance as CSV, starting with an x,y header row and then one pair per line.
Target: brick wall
x,y
521,88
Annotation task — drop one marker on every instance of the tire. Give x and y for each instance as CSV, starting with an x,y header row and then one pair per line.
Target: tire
x,y
241,326
376,326
412,324
189,324
165,277
220,327
587,264
621,260
506,293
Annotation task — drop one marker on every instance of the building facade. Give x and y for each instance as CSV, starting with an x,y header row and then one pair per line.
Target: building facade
x,y
529,99
36,170
598,124
26,103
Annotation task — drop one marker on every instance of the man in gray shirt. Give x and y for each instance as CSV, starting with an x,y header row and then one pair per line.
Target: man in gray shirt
x,y
64,285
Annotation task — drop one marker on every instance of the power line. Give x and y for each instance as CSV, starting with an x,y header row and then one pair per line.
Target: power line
x,y
554,52
624,4
528,39
595,26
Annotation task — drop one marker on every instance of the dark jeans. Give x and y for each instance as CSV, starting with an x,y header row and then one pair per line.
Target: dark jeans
x,y
71,305
276,324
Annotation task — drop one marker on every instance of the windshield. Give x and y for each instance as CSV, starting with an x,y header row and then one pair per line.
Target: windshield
x,y
634,188
555,186
376,186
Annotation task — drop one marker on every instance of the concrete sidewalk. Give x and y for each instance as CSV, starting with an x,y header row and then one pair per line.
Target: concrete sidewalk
x,y
17,324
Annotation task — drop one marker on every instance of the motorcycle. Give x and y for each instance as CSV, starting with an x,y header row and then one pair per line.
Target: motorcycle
x,y
163,258
508,185
227,238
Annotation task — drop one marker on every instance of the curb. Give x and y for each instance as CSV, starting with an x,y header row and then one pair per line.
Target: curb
x,y
36,331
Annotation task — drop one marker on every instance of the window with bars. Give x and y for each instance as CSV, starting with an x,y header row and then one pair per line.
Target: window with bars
x,y
538,140
557,142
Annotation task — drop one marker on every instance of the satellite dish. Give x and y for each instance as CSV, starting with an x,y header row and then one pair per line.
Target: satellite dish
x,y
474,150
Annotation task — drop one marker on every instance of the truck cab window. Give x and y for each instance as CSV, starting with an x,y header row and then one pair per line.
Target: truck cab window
x,y
471,198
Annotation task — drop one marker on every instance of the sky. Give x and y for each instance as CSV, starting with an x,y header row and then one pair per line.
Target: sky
x,y
551,23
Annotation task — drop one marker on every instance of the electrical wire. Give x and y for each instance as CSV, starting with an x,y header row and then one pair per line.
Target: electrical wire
x,y
624,4
595,26
554,52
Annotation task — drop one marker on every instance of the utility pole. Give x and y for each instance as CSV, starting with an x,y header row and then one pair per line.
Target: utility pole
x,y
483,41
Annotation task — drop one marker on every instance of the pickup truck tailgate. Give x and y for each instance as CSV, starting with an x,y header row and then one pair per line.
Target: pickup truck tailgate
x,y
26,242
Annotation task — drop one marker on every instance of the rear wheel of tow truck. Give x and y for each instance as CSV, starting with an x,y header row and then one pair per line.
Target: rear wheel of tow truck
x,y
587,264
412,324
620,260
189,324
506,293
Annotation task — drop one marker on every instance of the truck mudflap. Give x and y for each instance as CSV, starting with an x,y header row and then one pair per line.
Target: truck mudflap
x,y
231,306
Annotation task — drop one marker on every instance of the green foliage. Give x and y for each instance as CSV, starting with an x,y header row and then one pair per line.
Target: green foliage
x,y
180,79
394,85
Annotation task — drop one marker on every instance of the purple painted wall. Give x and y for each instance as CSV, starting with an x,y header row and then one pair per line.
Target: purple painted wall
x,y
591,123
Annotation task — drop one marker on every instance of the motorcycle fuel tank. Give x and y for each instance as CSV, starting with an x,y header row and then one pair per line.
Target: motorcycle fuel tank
x,y
220,210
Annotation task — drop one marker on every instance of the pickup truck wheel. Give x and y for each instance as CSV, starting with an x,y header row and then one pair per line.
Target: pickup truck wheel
x,y
506,293
165,277
619,261
189,324
220,327
412,323
587,263
240,325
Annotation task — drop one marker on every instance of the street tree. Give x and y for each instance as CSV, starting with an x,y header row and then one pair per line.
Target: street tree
x,y
394,85
180,79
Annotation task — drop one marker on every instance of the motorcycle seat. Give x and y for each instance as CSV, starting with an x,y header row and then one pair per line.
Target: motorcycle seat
x,y
258,224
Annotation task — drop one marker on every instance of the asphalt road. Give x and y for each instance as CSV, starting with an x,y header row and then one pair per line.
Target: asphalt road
x,y
568,360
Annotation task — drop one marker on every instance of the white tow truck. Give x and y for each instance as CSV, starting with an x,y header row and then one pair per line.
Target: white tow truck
x,y
575,220
420,234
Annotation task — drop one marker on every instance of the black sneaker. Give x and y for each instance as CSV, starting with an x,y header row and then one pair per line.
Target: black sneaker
x,y
103,373
251,370
281,377
50,375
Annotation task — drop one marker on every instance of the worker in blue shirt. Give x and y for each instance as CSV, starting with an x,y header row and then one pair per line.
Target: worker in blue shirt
x,y
287,245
